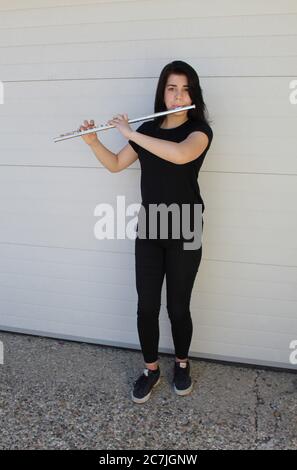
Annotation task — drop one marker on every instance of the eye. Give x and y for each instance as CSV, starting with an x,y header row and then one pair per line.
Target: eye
x,y
171,88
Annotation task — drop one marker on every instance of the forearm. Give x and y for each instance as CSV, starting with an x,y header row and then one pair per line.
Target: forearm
x,y
105,156
165,149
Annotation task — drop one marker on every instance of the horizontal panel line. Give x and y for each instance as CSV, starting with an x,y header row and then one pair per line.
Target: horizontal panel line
x,y
220,277
121,41
81,265
66,279
90,282
164,322
60,322
13,331
164,319
132,253
65,248
224,57
141,77
87,266
8,165
74,309
141,19
112,299
67,62
199,355
163,308
117,284
62,166
68,264
248,172
240,314
71,6
70,294
114,2
240,296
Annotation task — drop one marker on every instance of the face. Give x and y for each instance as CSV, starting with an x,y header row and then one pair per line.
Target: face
x,y
177,91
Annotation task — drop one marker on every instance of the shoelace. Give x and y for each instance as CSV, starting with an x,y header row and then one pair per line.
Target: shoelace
x,y
181,370
142,377
182,365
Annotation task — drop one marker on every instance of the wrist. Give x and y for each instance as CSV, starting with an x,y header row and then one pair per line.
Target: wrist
x,y
94,144
131,135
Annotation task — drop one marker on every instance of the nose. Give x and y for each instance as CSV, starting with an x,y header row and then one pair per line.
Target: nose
x,y
178,98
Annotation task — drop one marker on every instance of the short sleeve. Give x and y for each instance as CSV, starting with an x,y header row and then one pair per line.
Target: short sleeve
x,y
134,145
204,127
141,129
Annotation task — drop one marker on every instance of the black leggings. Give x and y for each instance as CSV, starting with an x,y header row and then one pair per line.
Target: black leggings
x,y
154,258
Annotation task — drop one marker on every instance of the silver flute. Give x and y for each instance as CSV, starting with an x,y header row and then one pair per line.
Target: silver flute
x,y
78,133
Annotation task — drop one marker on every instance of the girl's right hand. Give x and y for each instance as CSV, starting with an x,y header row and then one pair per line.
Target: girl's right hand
x,y
89,138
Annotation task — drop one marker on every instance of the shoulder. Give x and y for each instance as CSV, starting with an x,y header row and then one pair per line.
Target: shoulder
x,y
202,126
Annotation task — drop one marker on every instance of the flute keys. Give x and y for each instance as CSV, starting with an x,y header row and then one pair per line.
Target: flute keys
x,y
130,121
70,133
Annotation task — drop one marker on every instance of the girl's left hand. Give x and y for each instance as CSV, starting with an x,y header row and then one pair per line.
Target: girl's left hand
x,y
121,123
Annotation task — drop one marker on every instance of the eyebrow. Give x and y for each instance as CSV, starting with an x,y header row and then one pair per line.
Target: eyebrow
x,y
171,84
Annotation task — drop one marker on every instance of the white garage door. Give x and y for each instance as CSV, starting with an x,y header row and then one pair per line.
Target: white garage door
x,y
62,62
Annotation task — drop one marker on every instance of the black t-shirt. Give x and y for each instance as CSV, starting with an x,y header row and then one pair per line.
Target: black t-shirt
x,y
167,182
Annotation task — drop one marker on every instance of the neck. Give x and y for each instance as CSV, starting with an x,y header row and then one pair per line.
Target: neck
x,y
173,120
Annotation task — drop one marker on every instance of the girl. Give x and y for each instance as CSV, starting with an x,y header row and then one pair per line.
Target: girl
x,y
171,150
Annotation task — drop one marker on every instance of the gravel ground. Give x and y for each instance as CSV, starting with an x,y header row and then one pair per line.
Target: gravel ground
x,y
58,394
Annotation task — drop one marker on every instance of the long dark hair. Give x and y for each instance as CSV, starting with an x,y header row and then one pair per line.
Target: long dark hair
x,y
180,67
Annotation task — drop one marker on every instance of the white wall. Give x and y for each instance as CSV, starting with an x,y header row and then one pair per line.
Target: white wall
x,y
67,60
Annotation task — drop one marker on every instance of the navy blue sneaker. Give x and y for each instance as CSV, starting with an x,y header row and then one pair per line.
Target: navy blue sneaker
x,y
144,384
182,382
